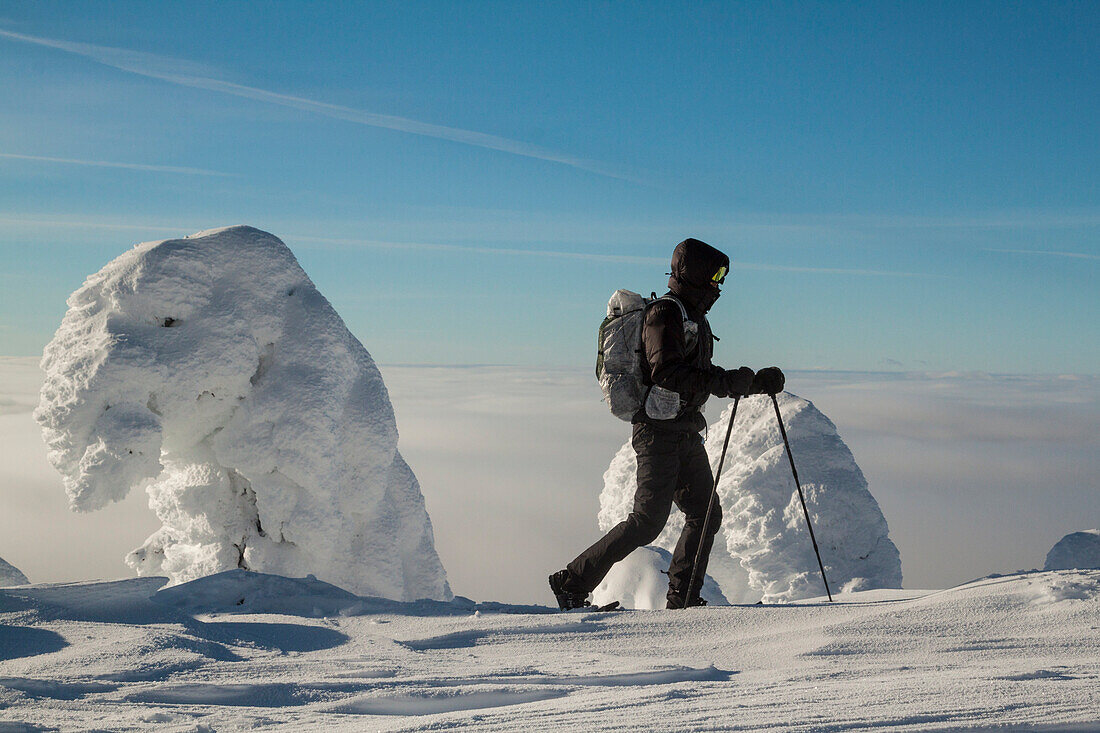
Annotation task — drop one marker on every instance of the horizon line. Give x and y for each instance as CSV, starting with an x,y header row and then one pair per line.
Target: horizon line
x,y
924,373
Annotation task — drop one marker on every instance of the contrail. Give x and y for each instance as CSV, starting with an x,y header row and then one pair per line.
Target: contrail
x,y
59,221
190,74
476,249
112,164
1056,253
590,256
181,230
829,270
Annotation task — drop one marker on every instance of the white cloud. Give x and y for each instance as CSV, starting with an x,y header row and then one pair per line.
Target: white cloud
x,y
829,270
65,221
113,164
1012,219
438,247
1049,253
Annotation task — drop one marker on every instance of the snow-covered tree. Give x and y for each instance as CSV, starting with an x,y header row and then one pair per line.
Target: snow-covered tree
x,y
769,555
210,371
1075,550
11,575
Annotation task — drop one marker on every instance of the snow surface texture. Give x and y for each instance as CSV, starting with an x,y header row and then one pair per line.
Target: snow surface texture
x,y
244,651
1075,550
11,575
639,581
211,371
770,556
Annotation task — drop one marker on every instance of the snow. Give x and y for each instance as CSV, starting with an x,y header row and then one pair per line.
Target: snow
x,y
640,581
769,555
1005,652
211,372
1075,550
11,575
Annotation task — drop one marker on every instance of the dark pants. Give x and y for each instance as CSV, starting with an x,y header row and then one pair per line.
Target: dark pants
x,y
672,466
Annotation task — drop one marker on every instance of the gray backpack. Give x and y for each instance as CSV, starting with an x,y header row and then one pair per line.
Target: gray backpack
x,y
620,354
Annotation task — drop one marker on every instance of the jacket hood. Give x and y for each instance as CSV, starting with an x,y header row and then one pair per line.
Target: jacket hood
x,y
694,263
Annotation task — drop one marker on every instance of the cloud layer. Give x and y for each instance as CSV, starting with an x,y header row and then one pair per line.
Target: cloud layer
x,y
975,473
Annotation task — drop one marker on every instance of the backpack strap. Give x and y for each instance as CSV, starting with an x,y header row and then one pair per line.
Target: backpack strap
x,y
674,299
686,321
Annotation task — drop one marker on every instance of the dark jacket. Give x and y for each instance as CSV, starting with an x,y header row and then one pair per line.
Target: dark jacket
x,y
669,362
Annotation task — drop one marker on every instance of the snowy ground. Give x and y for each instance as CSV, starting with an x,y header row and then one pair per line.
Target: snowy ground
x,y
242,651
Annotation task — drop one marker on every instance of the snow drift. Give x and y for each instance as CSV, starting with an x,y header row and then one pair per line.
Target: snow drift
x,y
639,581
244,651
211,371
1075,550
769,554
11,575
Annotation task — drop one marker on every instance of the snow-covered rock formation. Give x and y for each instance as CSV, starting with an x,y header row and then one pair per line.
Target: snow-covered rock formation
x,y
211,371
11,575
1075,550
769,555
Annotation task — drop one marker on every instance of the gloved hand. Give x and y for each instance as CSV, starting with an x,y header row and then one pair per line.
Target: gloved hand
x,y
737,381
769,380
718,386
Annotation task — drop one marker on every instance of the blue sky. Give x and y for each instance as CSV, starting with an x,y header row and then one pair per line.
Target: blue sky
x,y
900,185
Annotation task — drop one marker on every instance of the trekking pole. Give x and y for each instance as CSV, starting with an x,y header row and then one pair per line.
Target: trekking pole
x,y
710,507
801,498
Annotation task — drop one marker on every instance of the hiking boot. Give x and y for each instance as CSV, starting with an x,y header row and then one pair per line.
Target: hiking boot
x,y
567,595
676,600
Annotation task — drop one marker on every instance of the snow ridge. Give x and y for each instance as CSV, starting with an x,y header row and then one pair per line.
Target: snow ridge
x,y
769,554
210,371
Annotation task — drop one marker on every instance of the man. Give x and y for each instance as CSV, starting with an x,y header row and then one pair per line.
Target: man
x,y
672,464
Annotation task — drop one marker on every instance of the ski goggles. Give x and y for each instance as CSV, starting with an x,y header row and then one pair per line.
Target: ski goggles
x,y
720,276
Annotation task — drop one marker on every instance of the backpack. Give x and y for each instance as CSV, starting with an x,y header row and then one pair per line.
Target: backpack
x,y
619,358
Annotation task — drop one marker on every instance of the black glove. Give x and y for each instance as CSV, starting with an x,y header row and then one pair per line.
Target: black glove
x,y
718,386
737,381
769,380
